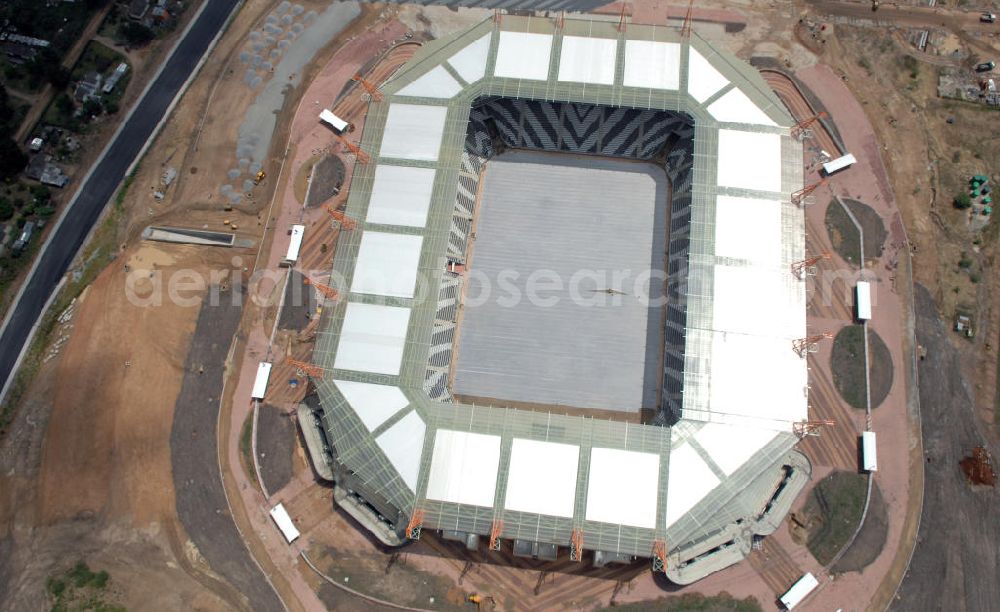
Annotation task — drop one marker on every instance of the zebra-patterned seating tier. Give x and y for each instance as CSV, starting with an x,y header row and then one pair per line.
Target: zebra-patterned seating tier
x,y
496,124
578,128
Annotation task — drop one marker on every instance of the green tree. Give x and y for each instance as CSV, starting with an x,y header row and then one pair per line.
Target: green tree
x,y
135,34
12,158
963,201
6,210
92,108
6,110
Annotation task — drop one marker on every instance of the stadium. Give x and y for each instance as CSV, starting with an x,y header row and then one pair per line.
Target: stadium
x,y
647,405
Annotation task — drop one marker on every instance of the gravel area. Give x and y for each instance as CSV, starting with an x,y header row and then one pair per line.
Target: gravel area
x,y
194,453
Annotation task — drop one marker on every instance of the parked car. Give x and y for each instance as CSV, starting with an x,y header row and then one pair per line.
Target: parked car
x,y
987,17
986,66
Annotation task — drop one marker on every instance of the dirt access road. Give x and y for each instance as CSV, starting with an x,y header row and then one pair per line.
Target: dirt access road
x,y
964,24
955,566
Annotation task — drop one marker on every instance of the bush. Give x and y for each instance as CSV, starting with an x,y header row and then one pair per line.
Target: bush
x,y
6,210
12,159
135,34
963,201
56,586
41,194
965,263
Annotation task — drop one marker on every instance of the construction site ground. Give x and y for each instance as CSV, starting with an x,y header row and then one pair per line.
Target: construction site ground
x,y
86,470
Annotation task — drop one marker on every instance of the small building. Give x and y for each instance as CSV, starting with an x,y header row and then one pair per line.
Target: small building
x,y
294,245
284,523
963,324
260,383
137,9
799,591
869,460
836,165
114,77
87,87
41,168
863,300
19,53
25,40
25,238
338,124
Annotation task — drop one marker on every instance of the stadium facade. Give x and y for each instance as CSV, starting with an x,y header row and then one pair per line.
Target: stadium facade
x,y
716,465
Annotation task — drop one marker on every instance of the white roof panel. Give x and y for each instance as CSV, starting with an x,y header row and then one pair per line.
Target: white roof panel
x,y
588,60
403,445
735,107
730,446
464,468
622,487
401,195
373,404
748,229
521,55
761,301
387,264
372,338
747,388
550,491
690,480
470,62
436,83
413,131
749,160
703,79
656,65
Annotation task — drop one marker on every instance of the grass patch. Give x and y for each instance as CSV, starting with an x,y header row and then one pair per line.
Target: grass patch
x,y
246,447
401,583
96,58
832,513
847,361
80,588
844,234
693,602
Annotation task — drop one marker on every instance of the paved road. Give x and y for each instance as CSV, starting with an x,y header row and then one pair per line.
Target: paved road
x,y
54,261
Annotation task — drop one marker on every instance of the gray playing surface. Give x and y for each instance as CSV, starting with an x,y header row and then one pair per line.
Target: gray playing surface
x,y
572,227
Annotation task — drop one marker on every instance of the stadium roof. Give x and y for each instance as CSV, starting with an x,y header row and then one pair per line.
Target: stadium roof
x,y
623,485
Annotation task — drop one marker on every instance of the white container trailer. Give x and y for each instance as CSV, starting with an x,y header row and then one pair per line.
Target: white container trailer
x,y
799,591
863,300
260,383
338,124
836,165
284,523
869,461
294,245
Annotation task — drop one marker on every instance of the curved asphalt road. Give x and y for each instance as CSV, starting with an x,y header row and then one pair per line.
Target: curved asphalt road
x,y
105,177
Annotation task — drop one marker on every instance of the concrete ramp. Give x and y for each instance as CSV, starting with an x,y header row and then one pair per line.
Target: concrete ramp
x,y
189,236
